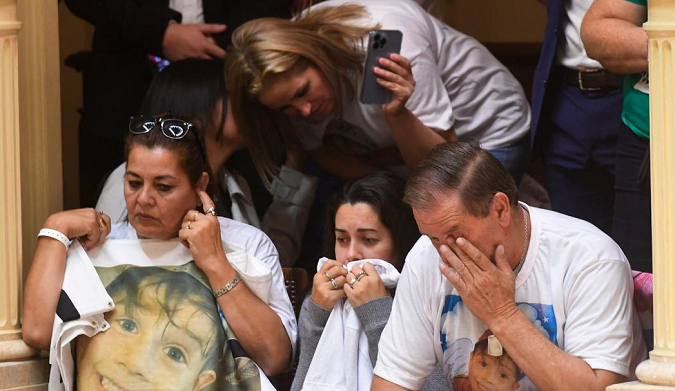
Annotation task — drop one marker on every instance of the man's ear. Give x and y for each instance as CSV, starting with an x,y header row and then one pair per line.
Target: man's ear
x,y
203,182
205,378
501,208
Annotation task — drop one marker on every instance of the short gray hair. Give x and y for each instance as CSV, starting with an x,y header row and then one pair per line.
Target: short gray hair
x,y
463,167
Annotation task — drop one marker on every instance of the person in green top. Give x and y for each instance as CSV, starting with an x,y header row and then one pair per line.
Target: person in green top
x,y
612,34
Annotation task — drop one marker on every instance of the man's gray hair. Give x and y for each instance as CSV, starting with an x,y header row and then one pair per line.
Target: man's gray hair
x,y
464,167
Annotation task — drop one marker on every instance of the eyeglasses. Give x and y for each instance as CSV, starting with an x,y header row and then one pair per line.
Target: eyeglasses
x,y
172,128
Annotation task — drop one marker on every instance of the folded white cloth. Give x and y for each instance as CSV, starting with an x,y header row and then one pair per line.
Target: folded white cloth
x,y
341,360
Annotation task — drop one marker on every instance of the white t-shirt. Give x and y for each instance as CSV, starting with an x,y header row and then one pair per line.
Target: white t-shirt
x,y
459,84
259,246
575,286
571,52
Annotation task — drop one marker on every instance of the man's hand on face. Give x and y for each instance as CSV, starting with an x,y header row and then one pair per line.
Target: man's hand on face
x,y
488,290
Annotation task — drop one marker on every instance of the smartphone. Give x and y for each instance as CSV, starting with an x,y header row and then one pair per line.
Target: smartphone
x,y
381,43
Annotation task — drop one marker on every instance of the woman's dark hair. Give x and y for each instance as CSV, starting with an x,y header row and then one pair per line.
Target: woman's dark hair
x,y
384,193
193,89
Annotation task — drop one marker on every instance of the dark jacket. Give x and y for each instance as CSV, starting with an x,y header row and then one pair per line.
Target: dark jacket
x,y
118,72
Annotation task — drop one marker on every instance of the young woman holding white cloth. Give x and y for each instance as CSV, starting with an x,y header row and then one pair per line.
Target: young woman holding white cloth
x,y
366,220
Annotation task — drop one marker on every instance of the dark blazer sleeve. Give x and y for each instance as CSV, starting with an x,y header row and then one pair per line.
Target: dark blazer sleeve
x,y
135,23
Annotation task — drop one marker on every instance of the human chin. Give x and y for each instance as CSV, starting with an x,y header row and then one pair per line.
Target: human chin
x,y
148,229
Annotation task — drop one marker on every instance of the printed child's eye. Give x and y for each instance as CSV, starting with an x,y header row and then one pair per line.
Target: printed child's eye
x,y
128,325
483,364
504,376
175,354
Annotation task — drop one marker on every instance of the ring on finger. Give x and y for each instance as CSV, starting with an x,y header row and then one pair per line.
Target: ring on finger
x,y
188,225
325,273
101,221
334,283
361,275
351,282
194,218
212,211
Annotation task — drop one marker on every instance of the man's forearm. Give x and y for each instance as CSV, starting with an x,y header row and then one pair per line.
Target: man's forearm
x,y
546,365
612,33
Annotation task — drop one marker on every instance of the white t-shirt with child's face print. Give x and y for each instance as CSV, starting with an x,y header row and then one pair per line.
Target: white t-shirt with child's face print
x,y
575,287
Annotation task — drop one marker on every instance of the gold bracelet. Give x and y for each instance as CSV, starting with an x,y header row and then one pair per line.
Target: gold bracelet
x,y
227,287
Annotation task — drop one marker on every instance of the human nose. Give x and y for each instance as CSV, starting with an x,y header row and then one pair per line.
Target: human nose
x,y
354,252
145,196
303,107
135,360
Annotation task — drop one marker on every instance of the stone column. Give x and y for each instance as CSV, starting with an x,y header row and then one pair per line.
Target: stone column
x,y
658,373
30,169
10,187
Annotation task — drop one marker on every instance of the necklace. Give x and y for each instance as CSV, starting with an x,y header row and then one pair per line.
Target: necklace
x,y
522,257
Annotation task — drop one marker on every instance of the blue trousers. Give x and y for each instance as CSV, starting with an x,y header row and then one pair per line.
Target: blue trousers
x,y
580,153
632,207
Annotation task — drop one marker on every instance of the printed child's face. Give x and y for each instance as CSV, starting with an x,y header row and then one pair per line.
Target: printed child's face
x,y
489,373
145,350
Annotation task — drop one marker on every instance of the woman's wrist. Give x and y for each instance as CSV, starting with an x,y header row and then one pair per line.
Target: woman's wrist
x,y
218,270
56,225
399,115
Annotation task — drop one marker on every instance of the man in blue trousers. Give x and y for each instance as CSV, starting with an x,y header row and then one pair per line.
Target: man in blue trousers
x,y
576,115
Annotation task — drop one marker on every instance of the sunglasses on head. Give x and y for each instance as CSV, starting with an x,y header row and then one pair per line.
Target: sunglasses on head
x,y
172,128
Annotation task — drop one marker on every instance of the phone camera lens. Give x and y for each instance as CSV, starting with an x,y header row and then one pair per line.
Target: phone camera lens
x,y
383,41
378,37
376,45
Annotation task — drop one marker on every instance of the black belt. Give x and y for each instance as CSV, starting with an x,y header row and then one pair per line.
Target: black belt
x,y
592,79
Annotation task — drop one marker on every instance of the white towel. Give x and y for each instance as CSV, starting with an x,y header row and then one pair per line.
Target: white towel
x,y
341,361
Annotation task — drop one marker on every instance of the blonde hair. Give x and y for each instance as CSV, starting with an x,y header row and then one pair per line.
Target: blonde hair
x,y
266,49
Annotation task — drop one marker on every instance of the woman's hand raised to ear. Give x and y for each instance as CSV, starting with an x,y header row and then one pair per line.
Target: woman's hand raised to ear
x,y
395,74
201,234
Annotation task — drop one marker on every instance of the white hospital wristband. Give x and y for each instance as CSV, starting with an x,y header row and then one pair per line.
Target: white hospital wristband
x,y
54,234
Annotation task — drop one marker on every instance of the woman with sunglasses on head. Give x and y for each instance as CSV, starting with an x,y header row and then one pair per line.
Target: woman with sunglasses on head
x,y
164,185
445,86
196,89
367,219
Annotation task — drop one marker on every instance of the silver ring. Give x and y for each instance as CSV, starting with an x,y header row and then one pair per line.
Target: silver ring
x,y
188,225
361,275
325,273
194,218
335,284
212,211
351,282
